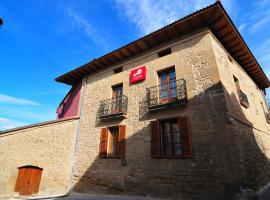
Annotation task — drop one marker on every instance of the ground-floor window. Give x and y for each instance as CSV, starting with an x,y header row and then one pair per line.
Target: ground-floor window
x,y
28,180
112,142
171,138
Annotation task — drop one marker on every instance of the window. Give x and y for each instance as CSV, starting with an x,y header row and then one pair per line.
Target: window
x,y
28,180
170,138
118,70
241,95
164,52
117,98
112,142
168,86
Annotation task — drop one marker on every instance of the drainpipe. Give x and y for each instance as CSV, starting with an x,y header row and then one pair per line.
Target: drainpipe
x,y
77,136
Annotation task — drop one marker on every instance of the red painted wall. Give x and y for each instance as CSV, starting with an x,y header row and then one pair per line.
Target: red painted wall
x,y
70,104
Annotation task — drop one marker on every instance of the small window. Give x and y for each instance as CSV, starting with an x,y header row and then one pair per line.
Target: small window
x,y
118,70
243,98
164,52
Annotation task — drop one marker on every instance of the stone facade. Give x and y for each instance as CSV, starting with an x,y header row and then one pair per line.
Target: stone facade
x,y
230,143
210,174
48,146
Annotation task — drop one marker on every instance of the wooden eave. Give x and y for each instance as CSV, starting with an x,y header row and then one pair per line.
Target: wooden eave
x,y
214,17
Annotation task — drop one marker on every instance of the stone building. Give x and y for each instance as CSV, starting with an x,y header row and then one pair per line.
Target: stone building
x,y
178,113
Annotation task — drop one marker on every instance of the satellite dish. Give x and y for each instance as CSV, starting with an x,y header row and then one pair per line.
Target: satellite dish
x,y
1,21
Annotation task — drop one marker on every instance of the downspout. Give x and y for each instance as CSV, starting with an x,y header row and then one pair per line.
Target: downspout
x,y
77,137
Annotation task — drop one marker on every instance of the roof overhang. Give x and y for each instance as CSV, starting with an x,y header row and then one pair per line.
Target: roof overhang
x,y
214,17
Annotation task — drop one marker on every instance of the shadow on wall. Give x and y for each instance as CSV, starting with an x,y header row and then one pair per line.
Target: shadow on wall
x,y
226,156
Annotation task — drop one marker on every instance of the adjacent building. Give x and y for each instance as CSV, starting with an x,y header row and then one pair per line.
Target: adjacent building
x,y
178,113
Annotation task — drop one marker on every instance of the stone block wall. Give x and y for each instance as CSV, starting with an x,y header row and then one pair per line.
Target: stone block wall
x,y
248,127
193,178
48,146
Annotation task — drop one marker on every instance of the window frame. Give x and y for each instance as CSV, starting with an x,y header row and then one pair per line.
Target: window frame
x,y
167,81
171,121
109,142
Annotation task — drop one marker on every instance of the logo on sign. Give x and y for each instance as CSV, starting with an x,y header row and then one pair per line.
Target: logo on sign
x,y
137,75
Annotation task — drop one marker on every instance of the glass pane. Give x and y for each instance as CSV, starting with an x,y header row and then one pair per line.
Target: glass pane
x,y
163,78
172,75
167,127
176,133
177,149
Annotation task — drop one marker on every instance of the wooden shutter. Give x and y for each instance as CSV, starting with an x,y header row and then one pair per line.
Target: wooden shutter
x,y
185,137
19,180
155,139
121,145
103,143
36,178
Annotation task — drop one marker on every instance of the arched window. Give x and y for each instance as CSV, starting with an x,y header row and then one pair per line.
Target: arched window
x,y
28,180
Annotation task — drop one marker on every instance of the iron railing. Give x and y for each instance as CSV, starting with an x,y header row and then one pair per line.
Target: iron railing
x,y
116,106
243,99
267,117
172,92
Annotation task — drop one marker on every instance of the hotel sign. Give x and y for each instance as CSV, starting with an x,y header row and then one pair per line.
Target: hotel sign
x,y
137,75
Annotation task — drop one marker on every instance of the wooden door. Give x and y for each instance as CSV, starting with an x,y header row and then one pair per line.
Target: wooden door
x,y
28,180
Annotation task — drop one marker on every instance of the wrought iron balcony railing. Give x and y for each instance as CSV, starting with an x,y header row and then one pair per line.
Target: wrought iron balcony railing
x,y
173,92
243,99
267,117
116,106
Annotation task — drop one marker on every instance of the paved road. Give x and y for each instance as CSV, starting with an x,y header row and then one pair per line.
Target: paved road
x,y
78,196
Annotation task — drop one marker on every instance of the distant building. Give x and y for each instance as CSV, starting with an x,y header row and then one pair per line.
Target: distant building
x,y
178,113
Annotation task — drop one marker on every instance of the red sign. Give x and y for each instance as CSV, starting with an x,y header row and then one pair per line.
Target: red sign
x,y
137,75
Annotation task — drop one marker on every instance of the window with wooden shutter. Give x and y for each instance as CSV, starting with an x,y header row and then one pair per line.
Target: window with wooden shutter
x,y
171,138
155,139
103,143
185,137
113,142
121,146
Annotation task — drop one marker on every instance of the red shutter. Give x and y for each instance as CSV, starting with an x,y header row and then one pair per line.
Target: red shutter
x,y
185,137
121,145
155,139
103,143
19,181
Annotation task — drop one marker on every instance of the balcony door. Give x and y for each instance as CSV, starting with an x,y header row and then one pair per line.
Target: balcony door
x,y
117,98
168,86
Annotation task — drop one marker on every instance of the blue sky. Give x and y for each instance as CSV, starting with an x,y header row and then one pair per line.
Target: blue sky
x,y
43,39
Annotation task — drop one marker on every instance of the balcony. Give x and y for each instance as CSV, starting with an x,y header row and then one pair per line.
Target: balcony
x,y
243,99
267,117
167,94
115,107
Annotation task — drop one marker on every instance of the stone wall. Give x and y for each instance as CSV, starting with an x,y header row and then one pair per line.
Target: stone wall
x,y
49,146
249,129
193,178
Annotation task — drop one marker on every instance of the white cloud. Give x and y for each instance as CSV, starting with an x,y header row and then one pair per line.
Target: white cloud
x,y
9,123
14,100
150,15
83,24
